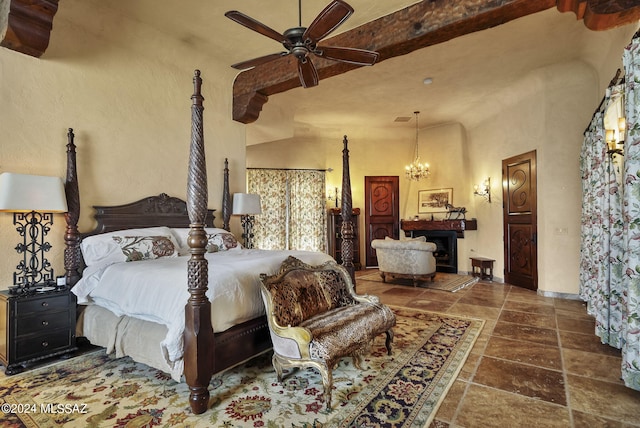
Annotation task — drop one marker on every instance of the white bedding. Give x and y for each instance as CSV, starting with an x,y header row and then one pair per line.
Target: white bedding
x,y
156,290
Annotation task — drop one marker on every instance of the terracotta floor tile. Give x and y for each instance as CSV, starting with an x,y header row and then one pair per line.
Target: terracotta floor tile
x,y
594,366
482,312
488,407
522,352
430,305
576,325
482,300
528,296
605,399
534,308
543,336
586,342
534,382
577,306
581,419
536,320
451,402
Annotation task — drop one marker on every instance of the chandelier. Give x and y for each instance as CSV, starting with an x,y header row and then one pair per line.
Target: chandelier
x,y
416,170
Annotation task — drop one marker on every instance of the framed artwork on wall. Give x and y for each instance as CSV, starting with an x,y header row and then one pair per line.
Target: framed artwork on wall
x,y
434,200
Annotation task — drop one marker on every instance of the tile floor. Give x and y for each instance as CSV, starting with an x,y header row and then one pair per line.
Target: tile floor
x,y
537,362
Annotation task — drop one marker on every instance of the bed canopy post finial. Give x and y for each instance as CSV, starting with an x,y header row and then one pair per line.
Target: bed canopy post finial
x,y
347,229
198,333
72,257
226,197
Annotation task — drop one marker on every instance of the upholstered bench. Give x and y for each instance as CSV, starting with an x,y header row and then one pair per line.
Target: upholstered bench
x,y
316,318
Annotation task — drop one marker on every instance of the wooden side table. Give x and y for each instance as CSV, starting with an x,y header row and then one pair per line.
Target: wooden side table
x,y
482,267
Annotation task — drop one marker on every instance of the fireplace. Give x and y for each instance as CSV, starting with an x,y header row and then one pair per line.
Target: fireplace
x,y
446,253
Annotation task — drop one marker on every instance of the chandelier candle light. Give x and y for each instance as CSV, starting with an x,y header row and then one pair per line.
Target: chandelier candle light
x,y
416,170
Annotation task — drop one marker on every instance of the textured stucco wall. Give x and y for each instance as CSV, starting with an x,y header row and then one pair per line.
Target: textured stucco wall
x,y
125,89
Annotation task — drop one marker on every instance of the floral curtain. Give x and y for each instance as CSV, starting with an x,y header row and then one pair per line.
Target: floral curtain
x,y
293,209
602,227
631,216
610,235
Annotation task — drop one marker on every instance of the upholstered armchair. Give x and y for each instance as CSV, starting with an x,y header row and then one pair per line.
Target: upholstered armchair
x,y
412,258
316,318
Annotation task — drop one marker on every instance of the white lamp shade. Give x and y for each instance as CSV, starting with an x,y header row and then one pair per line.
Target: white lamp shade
x,y
246,204
24,193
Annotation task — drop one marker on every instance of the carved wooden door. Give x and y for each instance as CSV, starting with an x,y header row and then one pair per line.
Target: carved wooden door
x,y
382,212
520,220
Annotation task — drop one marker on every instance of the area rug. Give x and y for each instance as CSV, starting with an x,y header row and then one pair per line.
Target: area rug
x,y
401,390
442,281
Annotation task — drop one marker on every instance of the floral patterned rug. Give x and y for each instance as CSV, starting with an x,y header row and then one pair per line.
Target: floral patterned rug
x,y
401,390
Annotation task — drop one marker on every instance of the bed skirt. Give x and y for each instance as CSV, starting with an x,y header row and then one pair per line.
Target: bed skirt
x,y
126,336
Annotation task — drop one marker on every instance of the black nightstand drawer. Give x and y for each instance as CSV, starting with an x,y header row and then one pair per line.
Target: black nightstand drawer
x,y
44,303
35,326
42,323
43,344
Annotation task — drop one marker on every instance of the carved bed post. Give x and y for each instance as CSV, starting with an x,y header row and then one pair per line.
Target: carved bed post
x,y
226,197
72,236
198,333
347,229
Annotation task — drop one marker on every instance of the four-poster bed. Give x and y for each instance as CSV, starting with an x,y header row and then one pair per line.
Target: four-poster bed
x,y
206,350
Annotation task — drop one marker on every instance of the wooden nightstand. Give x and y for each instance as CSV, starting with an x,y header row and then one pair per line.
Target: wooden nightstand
x,y
36,326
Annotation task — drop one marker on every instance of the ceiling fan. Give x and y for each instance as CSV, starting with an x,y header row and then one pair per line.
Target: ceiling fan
x,y
301,41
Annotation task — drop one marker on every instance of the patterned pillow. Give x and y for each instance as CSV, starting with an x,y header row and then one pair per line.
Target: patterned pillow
x,y
222,242
137,248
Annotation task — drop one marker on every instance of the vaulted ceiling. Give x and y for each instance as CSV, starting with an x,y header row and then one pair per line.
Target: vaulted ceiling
x,y
393,28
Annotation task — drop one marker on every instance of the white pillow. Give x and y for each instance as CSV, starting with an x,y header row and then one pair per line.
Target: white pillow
x,y
102,248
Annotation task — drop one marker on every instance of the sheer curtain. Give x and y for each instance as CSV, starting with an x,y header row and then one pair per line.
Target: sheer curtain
x,y
610,235
293,209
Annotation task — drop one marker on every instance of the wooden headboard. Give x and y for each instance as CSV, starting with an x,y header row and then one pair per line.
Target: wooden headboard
x,y
161,210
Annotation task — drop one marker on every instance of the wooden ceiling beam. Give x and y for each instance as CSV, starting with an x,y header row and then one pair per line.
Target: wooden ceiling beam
x,y
27,25
601,15
418,26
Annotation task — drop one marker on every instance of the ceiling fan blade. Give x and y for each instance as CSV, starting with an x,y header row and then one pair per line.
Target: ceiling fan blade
x,y
254,25
257,61
328,20
308,73
351,55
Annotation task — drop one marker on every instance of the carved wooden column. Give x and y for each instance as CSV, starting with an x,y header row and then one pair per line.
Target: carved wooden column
x,y
346,229
226,197
198,333
72,236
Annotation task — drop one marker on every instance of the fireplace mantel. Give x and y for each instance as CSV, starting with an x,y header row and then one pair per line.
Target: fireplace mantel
x,y
459,226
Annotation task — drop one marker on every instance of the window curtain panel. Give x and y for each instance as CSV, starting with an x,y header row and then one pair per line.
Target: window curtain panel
x,y
631,216
269,230
293,209
610,224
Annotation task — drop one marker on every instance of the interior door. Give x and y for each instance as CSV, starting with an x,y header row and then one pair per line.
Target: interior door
x,y
520,220
382,212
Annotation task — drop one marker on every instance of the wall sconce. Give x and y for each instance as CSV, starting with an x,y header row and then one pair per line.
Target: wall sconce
x,y
33,199
246,205
483,189
334,195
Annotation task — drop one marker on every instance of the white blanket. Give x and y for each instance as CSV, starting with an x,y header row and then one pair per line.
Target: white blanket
x,y
156,290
